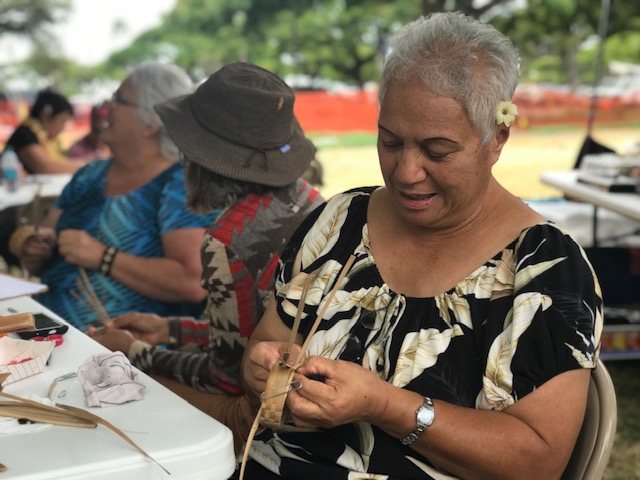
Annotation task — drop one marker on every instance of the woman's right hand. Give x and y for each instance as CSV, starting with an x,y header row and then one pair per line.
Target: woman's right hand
x,y
148,327
38,249
259,359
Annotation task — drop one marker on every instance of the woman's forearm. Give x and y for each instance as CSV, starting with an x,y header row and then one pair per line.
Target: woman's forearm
x,y
158,278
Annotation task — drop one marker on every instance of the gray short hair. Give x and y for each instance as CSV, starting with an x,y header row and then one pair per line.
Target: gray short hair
x,y
153,83
457,57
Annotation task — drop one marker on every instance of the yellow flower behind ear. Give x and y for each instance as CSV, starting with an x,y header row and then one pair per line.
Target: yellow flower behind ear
x,y
506,113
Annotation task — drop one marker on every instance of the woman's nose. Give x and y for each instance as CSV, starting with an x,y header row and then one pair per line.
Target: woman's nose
x,y
410,166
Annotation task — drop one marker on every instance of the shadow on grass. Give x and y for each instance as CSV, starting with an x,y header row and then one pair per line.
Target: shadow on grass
x,y
625,458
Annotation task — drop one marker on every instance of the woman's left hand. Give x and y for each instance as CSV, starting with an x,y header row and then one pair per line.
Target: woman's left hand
x,y
345,393
81,249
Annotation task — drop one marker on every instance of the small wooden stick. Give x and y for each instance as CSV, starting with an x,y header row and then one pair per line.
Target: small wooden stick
x,y
36,216
83,299
296,320
86,289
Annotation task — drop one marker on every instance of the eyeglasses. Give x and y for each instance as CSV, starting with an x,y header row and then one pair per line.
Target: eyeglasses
x,y
117,99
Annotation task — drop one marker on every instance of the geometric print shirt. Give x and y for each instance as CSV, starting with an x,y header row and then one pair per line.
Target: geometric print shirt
x,y
531,312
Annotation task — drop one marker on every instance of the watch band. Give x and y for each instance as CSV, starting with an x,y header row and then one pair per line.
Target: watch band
x,y
424,418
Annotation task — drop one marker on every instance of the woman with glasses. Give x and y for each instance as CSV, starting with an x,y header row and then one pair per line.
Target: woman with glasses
x,y
443,328
121,238
244,154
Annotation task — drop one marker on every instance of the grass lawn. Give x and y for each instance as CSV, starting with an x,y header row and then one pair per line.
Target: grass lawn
x,y
625,459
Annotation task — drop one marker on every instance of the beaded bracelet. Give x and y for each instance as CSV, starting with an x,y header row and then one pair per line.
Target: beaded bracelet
x,y
107,260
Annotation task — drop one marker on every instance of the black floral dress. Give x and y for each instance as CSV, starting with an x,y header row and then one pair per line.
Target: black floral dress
x,y
528,314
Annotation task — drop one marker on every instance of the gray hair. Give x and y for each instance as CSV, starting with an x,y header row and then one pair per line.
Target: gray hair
x,y
153,83
457,57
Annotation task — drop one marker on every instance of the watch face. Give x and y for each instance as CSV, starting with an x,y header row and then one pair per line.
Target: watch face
x,y
425,415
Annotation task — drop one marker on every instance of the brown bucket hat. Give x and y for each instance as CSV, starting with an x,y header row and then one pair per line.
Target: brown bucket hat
x,y
240,123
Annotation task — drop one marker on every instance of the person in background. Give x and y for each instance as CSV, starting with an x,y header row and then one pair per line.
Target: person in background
x,y
460,327
244,155
36,142
37,139
91,147
123,221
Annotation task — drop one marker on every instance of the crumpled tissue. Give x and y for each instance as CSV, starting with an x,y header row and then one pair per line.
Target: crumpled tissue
x,y
109,379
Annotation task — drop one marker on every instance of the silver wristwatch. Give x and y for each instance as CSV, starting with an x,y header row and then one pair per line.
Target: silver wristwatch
x,y
424,418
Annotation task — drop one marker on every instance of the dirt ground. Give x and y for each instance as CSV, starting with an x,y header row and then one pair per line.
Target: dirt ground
x,y
525,156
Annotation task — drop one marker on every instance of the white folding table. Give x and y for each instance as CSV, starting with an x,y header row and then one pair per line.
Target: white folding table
x,y
186,442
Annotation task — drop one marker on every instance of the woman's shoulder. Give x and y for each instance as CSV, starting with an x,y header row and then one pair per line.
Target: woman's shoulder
x,y
546,236
546,229
358,195
334,212
21,137
92,170
171,179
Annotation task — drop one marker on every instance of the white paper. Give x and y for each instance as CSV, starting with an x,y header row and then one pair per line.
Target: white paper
x,y
12,287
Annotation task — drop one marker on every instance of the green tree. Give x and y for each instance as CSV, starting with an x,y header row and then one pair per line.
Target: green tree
x,y
558,39
346,39
29,18
333,40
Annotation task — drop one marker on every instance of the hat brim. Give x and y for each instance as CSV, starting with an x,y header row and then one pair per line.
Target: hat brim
x,y
277,167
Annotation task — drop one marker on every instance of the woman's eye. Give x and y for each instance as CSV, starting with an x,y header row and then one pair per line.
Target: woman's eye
x,y
434,155
391,146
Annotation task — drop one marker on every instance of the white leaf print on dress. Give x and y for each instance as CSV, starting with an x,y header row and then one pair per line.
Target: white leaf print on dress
x,y
498,378
419,351
451,302
359,462
325,232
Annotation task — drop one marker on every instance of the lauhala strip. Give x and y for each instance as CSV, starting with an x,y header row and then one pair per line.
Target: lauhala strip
x,y
61,414
294,331
89,296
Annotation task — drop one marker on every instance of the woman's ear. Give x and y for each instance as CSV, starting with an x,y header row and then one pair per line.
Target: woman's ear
x,y
150,131
499,139
502,135
45,113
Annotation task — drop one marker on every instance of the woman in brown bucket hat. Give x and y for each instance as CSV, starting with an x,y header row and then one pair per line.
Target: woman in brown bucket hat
x,y
244,154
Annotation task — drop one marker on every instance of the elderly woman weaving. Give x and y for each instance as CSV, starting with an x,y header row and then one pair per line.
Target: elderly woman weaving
x,y
447,327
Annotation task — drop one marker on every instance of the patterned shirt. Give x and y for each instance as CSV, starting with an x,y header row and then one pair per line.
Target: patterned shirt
x,y
133,223
240,253
531,312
